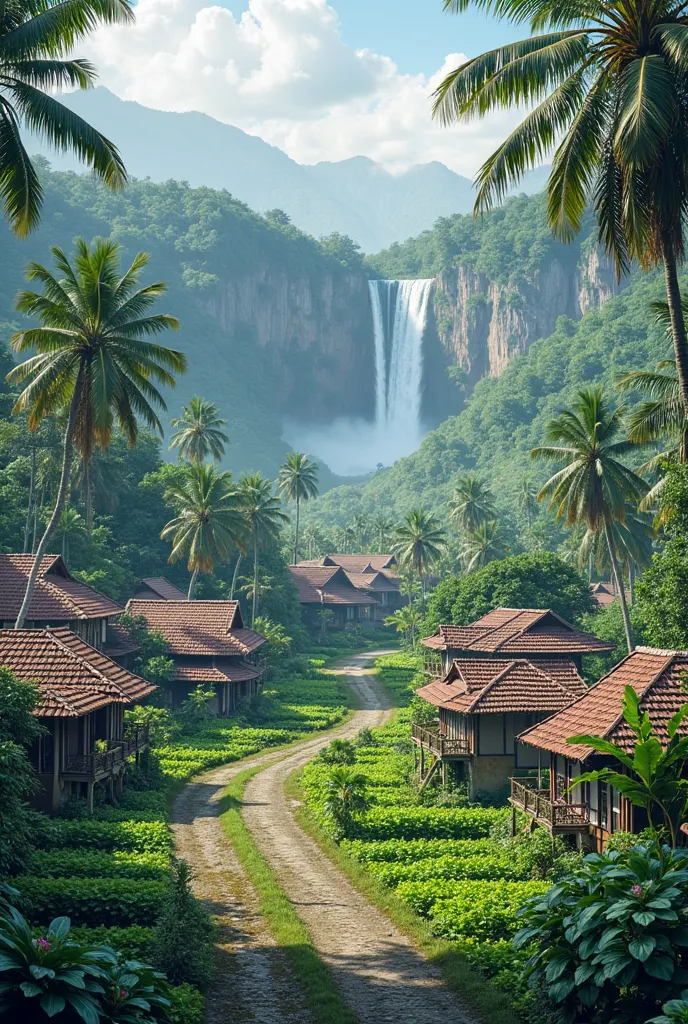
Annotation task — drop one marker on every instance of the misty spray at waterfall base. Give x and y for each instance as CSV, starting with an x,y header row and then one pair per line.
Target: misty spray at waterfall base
x,y
354,446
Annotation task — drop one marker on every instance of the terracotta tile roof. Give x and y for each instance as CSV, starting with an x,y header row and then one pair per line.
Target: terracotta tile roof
x,y
73,677
211,628
656,676
334,583
374,581
118,641
57,597
236,671
355,563
165,590
497,685
518,631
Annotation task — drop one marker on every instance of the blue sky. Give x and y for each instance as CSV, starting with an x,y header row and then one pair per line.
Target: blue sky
x,y
416,34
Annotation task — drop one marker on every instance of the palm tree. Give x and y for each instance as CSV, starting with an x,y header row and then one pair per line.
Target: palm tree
x,y
482,545
263,519
472,502
35,39
313,539
209,521
406,620
527,500
298,481
256,588
593,486
382,527
606,85
633,539
199,434
91,357
418,543
71,525
346,794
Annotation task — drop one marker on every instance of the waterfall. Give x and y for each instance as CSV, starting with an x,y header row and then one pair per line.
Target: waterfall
x,y
399,315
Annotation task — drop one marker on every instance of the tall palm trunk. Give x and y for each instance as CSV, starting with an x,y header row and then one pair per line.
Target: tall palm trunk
x,y
296,538
255,577
192,585
234,576
32,484
620,586
678,327
67,456
36,505
88,480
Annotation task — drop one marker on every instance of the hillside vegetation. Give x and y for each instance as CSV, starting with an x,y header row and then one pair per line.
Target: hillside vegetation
x,y
506,416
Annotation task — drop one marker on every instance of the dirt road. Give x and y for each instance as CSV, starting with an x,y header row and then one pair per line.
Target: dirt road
x,y
381,975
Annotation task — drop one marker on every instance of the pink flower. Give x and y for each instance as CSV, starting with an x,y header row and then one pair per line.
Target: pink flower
x,y
637,890
43,944
123,994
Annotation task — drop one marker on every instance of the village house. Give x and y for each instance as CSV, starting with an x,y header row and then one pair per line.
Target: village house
x,y
157,588
83,695
209,645
58,600
329,600
492,680
376,575
592,811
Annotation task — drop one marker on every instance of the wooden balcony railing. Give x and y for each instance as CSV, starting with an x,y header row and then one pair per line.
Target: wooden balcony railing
x,y
102,763
428,735
554,814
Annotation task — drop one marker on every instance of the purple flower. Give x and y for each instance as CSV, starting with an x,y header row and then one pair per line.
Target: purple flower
x,y
637,890
43,944
123,994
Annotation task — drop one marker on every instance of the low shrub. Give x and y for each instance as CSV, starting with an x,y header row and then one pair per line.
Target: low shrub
x,y
134,836
132,943
187,1005
482,866
481,910
98,864
91,901
430,822
408,851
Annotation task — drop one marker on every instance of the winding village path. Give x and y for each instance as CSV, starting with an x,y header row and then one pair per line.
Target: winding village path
x,y
381,975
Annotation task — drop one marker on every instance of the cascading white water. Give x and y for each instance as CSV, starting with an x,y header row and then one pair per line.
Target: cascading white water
x,y
399,314
352,446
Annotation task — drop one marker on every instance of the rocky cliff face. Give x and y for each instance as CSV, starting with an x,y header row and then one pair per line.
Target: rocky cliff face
x,y
315,332
482,324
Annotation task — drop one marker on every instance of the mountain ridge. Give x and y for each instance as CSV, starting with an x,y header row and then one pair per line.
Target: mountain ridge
x,y
355,197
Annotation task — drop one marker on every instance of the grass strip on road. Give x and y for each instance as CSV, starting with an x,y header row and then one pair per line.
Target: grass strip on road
x,y
311,974
486,1002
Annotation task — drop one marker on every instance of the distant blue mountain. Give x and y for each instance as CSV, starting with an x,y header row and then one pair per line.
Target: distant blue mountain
x,y
356,197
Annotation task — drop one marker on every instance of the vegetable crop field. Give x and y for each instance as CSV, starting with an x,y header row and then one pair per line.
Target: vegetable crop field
x,y
455,865
110,872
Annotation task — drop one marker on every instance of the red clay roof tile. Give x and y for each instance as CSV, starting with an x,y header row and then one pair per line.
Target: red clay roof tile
x,y
211,628
165,590
657,677
58,597
331,581
518,631
73,677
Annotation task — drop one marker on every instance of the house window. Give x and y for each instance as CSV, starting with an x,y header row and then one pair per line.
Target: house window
x,y
593,788
491,735
616,809
350,613
604,805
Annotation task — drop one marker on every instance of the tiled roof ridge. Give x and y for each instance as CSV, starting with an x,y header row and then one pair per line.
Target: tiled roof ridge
x,y
510,666
489,686
59,699
663,651
54,633
488,630
645,690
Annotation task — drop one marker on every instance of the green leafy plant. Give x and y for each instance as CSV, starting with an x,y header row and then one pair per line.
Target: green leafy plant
x,y
338,752
655,780
49,972
346,796
135,993
609,939
673,1012
182,946
196,710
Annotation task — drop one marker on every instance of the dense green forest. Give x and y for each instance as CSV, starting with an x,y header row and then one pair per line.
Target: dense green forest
x,y
507,243
195,238
506,417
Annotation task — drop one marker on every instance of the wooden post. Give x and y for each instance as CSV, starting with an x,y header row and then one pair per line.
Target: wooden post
x,y
89,796
422,760
57,763
513,821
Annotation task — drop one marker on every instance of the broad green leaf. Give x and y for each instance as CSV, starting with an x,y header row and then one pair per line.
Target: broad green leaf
x,y
646,757
660,967
52,1004
561,989
84,1006
644,918
641,948
59,927
677,719
30,989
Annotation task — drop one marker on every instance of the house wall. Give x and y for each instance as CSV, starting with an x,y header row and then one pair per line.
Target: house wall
x,y
490,773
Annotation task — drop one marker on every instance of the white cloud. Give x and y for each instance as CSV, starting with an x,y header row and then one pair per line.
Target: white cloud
x,y
282,71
